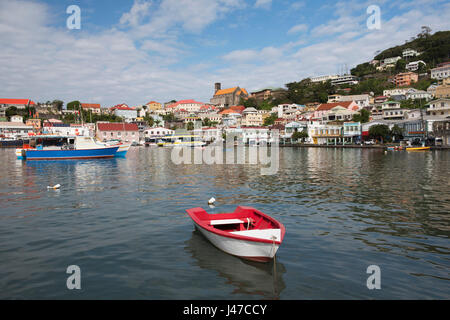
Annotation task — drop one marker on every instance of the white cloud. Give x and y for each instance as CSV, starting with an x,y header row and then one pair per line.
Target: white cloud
x,y
263,4
297,5
139,10
244,56
298,28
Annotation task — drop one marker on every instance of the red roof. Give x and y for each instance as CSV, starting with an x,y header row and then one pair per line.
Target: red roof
x,y
237,108
233,109
122,106
329,106
189,101
17,101
117,127
90,105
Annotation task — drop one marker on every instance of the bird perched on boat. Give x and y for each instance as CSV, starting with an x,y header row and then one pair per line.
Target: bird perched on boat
x,y
56,186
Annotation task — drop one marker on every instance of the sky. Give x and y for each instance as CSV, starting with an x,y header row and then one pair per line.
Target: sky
x,y
136,51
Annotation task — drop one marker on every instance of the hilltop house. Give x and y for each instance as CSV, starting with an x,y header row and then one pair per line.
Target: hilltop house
x,y
18,103
186,105
441,71
124,111
405,79
153,105
93,107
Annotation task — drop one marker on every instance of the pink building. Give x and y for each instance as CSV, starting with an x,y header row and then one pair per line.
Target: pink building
x,y
126,132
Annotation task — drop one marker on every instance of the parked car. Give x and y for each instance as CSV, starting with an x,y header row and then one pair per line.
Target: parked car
x,y
369,142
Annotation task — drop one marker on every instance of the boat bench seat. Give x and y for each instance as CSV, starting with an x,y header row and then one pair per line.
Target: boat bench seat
x,y
228,221
268,234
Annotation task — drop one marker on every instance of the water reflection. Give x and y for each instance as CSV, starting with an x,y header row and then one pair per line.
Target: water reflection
x,y
252,278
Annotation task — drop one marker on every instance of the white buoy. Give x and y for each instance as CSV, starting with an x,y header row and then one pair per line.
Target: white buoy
x,y
57,186
211,201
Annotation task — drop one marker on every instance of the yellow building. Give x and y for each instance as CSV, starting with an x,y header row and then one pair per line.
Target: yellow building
x,y
443,90
153,106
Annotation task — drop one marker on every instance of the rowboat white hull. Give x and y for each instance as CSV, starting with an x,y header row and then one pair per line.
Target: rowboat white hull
x,y
251,250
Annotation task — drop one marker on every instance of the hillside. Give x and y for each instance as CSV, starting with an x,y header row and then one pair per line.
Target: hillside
x,y
435,48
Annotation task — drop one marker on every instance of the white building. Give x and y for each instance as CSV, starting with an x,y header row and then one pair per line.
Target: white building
x,y
396,92
414,66
14,129
70,130
255,135
209,134
441,72
345,79
188,105
439,107
408,53
362,100
418,94
339,113
292,127
125,112
158,132
324,78
287,109
392,60
16,118
319,133
392,111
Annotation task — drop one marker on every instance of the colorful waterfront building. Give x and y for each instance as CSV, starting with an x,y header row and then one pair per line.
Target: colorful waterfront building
x,y
126,132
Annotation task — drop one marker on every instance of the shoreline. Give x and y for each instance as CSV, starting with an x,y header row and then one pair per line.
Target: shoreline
x,y
304,145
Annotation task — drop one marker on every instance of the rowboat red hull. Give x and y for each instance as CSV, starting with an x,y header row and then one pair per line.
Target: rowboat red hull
x,y
247,233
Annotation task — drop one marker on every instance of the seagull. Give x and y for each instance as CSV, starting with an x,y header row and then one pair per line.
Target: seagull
x,y
211,201
57,186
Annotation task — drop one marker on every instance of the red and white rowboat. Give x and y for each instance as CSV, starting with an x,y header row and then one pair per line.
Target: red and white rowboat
x,y
246,232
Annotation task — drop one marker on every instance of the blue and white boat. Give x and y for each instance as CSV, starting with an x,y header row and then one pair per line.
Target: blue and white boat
x,y
123,147
65,147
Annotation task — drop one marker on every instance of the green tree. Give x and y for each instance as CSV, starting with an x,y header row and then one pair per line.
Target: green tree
x,y
379,131
11,111
169,117
190,126
400,65
300,135
270,120
248,103
150,121
58,104
206,122
363,116
265,105
397,132
74,105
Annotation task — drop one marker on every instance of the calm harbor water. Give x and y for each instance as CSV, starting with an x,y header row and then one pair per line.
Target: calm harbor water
x,y
123,222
